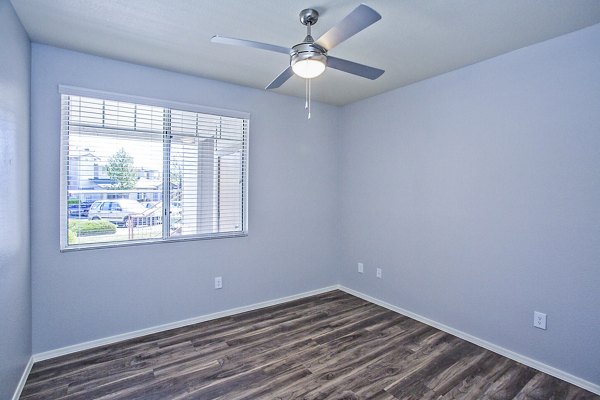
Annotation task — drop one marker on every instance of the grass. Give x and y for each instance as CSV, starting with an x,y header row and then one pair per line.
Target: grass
x,y
122,234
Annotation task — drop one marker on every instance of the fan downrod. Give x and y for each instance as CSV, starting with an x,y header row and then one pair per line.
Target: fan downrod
x,y
309,16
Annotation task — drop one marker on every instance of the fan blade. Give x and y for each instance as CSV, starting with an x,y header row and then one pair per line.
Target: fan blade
x,y
250,43
281,78
354,68
360,18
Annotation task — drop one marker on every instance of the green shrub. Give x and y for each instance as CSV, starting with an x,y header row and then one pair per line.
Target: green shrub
x,y
89,228
72,237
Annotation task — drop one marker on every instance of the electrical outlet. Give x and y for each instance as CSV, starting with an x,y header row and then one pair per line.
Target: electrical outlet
x,y
218,282
379,273
361,268
539,320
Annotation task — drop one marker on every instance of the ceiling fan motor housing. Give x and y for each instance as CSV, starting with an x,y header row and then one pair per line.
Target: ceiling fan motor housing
x,y
308,50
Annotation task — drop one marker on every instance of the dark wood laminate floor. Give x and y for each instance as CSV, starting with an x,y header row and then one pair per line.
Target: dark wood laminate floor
x,y
329,346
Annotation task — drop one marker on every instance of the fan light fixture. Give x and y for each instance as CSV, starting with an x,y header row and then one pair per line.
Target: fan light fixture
x,y
309,68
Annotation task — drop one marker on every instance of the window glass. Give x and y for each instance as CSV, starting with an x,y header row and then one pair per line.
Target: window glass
x,y
138,172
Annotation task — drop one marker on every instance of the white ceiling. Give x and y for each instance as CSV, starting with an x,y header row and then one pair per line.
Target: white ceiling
x,y
414,40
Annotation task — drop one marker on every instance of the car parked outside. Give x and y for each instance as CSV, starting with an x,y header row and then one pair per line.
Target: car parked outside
x,y
175,208
80,209
124,212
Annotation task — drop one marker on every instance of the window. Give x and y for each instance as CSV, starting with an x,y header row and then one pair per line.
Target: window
x,y
138,170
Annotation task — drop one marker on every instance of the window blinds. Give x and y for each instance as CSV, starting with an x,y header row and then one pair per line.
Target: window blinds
x,y
153,172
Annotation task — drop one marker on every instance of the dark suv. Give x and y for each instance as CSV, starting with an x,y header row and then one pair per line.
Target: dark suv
x,y
81,209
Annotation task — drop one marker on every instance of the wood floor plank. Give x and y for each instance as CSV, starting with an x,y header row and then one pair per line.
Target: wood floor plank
x,y
330,346
475,383
414,386
281,383
442,382
43,393
508,385
343,367
543,387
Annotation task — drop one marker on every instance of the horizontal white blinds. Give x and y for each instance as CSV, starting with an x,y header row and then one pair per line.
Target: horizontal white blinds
x,y
185,168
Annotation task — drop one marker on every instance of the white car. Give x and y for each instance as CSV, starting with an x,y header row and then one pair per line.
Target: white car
x,y
124,212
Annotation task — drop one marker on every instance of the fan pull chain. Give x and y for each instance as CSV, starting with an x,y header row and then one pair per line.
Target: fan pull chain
x,y
309,87
306,94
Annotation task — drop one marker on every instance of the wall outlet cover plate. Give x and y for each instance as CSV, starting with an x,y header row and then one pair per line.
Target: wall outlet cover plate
x,y
539,320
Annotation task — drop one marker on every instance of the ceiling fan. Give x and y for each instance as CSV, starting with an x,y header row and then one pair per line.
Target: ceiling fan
x,y
309,58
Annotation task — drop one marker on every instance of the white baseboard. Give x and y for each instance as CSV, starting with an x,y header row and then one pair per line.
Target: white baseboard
x,y
23,379
592,387
557,373
172,325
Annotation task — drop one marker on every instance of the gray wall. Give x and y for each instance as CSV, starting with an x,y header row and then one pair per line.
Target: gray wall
x,y
478,193
15,271
91,294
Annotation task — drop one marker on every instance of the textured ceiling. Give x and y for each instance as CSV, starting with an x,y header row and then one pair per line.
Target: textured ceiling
x,y
414,40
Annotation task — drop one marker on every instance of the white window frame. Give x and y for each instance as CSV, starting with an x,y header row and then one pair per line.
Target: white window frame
x,y
105,95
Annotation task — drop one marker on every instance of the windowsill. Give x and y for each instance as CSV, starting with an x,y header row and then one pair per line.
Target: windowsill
x,y
98,246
